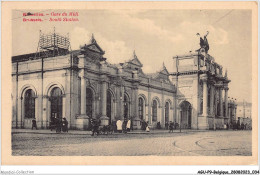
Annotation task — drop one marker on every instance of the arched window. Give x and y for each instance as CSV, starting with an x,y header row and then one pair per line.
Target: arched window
x,y
154,111
126,106
29,104
56,103
166,112
89,102
141,108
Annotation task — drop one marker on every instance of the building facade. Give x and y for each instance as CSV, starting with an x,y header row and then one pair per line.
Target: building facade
x,y
244,112
81,84
202,91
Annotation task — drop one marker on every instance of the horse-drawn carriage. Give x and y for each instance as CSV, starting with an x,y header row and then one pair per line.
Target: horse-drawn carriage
x,y
100,130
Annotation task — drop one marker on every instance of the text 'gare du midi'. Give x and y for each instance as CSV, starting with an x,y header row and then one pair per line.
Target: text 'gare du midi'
x,y
56,82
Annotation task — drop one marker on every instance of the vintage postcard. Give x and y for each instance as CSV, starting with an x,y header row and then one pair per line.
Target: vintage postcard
x,y
129,83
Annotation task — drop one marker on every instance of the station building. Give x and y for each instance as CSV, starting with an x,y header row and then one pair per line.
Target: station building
x,y
82,84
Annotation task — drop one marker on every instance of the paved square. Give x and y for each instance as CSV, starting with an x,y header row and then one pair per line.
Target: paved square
x,y
187,143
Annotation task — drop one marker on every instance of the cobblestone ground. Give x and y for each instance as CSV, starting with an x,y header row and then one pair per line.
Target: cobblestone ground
x,y
209,143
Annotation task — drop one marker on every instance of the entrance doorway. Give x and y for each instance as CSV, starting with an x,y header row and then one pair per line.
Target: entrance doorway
x,y
185,115
56,104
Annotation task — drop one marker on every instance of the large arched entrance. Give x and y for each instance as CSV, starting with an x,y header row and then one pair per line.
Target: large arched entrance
x,y
29,104
154,111
185,114
56,103
109,106
141,108
89,102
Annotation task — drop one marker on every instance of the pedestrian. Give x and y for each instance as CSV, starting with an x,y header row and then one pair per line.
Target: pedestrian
x,y
132,126
34,125
114,126
166,125
158,125
58,125
95,126
143,125
124,125
176,125
119,126
64,125
242,126
128,125
147,129
171,126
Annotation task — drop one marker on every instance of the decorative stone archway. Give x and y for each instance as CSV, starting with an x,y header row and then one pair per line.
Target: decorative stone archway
x,y
27,107
54,104
185,114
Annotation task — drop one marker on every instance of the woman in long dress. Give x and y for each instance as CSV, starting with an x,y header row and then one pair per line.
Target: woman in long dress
x,y
128,125
147,129
119,126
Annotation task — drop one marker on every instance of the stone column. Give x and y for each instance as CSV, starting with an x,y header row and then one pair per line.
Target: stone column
x,y
203,119
64,109
149,106
104,119
83,96
121,117
104,99
216,93
20,112
46,109
220,102
136,119
226,102
205,98
37,108
163,109
82,121
212,89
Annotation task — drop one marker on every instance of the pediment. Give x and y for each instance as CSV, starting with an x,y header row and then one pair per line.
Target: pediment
x,y
136,62
95,48
164,71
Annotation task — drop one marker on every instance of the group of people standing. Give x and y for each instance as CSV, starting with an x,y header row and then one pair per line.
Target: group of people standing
x,y
237,126
145,126
59,124
168,126
115,126
124,127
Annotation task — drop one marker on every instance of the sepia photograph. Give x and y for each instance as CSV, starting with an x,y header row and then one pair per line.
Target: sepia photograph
x,y
160,82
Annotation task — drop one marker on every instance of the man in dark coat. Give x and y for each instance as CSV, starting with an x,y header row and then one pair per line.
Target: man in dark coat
x,y
95,125
166,125
64,125
58,125
34,124
171,126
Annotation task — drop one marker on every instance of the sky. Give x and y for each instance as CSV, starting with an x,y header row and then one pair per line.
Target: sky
x,y
155,35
